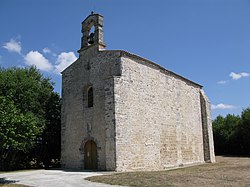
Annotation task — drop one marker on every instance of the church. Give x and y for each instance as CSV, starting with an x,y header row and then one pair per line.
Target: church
x,y
122,112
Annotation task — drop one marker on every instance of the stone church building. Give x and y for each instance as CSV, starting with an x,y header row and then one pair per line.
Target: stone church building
x,y
122,112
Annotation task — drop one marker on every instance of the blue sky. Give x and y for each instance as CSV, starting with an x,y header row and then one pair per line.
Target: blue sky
x,y
206,41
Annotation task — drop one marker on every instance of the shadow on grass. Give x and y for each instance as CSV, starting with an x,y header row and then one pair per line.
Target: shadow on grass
x,y
5,181
238,156
78,170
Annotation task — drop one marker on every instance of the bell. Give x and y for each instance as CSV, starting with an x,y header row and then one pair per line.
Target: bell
x,y
91,38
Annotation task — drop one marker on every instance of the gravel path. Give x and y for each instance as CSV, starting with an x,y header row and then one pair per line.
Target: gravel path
x,y
52,178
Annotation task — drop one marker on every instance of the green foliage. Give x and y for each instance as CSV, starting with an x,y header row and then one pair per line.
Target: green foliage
x,y
28,109
245,131
27,89
17,130
232,134
48,147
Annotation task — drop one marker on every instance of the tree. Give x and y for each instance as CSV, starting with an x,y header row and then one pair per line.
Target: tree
x,y
232,134
17,130
52,132
219,138
25,96
48,146
225,134
245,131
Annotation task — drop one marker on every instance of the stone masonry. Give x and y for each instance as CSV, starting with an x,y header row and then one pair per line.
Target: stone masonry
x,y
143,117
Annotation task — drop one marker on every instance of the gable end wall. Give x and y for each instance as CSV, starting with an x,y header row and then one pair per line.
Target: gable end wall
x,y
81,123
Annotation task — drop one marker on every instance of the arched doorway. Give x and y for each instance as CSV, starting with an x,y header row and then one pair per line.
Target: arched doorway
x,y
90,155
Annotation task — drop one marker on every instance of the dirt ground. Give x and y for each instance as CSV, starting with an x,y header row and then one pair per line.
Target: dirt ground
x,y
227,171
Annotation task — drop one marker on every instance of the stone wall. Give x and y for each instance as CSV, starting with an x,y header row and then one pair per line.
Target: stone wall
x,y
208,140
80,123
158,118
144,117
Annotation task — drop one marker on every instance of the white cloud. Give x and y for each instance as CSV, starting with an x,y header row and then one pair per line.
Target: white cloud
x,y
236,76
222,106
64,60
243,74
222,82
37,59
46,50
13,46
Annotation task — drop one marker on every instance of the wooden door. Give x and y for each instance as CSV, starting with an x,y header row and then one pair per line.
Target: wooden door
x,y
90,155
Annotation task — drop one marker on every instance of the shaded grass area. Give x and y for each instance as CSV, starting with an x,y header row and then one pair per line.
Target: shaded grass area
x,y
9,183
228,171
12,185
16,171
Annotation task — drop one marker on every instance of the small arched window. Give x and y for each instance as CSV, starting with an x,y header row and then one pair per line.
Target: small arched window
x,y
90,97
